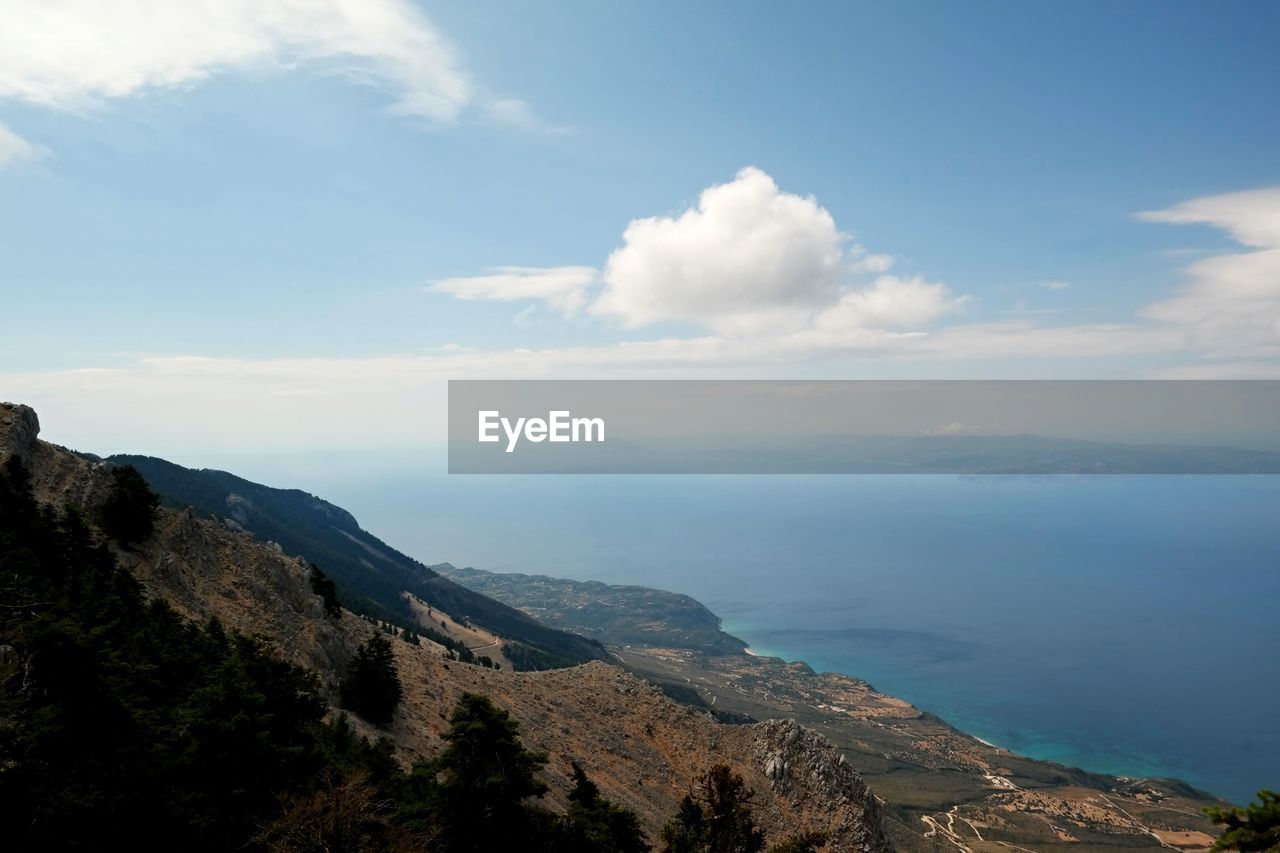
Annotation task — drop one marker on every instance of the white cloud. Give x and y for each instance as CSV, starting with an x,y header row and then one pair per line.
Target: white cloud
x,y
747,257
863,261
564,288
891,302
14,149
163,403
1252,218
77,54
1231,305
1014,340
514,112
1055,285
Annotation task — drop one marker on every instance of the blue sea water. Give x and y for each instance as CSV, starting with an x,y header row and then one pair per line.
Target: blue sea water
x,y
1121,624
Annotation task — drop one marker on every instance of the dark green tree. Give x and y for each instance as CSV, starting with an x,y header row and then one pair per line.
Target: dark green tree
x,y
372,687
323,586
595,825
687,831
1256,827
128,513
475,791
715,817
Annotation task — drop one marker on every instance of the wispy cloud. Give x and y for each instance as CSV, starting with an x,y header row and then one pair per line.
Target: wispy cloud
x,y
163,403
15,150
515,112
78,55
564,288
1231,303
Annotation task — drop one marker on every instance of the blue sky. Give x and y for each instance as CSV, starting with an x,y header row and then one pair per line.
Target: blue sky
x,y
280,206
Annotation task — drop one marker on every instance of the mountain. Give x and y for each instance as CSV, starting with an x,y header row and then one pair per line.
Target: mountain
x,y
642,749
372,576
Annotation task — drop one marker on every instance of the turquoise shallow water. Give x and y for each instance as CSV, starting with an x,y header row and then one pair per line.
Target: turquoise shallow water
x,y
1068,742
1122,624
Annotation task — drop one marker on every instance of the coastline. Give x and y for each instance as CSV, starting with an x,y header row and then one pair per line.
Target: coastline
x,y
1054,750
928,774
664,627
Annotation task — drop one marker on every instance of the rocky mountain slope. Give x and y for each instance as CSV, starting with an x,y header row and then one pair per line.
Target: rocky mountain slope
x,y
641,748
371,575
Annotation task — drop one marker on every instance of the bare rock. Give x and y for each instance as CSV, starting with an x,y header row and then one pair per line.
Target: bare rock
x,y
19,427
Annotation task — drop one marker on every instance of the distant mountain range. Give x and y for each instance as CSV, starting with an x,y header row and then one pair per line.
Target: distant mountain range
x,y
1025,454
978,455
1034,454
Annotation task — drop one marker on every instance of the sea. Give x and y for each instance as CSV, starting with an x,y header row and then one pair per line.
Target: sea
x,y
1123,624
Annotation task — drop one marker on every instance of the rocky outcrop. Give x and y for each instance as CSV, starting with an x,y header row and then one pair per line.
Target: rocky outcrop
x,y
804,767
19,427
58,476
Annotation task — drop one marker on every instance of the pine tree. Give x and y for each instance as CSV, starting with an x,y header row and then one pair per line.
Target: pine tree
x,y
323,586
484,775
715,817
128,513
594,824
372,687
1256,827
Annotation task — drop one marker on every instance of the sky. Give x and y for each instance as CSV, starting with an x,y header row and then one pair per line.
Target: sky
x,y
281,225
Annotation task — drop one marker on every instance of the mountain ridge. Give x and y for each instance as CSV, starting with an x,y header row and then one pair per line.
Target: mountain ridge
x,y
371,575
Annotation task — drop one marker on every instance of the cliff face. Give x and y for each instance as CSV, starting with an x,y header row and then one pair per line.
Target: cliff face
x,y
642,749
